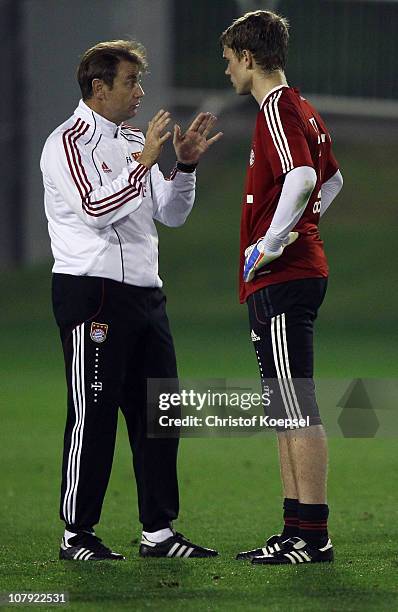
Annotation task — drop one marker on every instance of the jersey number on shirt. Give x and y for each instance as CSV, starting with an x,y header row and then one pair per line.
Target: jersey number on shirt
x,y
321,139
317,204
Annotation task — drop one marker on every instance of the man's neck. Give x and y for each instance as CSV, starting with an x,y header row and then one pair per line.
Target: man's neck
x,y
263,83
97,108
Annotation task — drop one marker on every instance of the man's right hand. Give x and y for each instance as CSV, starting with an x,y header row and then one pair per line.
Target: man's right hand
x,y
256,257
154,139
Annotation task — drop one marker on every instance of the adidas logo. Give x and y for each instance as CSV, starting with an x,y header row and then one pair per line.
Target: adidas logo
x,y
254,336
105,167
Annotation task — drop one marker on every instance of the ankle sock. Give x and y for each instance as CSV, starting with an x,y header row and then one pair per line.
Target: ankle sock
x,y
68,535
158,536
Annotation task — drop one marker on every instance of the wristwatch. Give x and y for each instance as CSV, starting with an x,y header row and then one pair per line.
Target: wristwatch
x,y
186,167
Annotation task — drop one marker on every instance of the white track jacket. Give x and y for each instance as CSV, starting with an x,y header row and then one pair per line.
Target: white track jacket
x,y
101,203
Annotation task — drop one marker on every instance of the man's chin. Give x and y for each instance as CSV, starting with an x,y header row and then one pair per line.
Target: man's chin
x,y
131,112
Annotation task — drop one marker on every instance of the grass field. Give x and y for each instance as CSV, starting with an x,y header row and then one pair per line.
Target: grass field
x,y
229,487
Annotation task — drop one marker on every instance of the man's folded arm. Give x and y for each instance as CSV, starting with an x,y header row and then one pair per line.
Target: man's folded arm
x,y
74,176
297,188
329,190
173,198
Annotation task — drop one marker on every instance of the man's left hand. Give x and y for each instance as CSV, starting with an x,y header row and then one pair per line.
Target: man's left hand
x,y
189,147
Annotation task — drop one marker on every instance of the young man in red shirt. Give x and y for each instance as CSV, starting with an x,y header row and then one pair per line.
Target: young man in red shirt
x,y
292,177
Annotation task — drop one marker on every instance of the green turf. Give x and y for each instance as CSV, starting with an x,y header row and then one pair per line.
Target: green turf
x,y
229,487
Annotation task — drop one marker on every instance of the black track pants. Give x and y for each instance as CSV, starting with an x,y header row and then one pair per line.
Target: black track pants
x,y
114,337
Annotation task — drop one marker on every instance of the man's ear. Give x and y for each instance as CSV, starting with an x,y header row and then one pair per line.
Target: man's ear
x,y
248,59
98,89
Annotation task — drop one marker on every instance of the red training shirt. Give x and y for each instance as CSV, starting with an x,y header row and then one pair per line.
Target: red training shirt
x,y
289,133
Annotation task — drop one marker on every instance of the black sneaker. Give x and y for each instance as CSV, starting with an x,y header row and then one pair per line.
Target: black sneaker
x,y
86,546
175,546
272,545
295,550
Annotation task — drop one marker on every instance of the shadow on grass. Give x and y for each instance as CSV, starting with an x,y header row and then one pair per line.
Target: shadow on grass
x,y
174,584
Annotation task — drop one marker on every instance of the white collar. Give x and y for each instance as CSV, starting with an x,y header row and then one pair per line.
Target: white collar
x,y
97,121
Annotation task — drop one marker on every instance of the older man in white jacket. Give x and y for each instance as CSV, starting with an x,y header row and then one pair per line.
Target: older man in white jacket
x,y
103,192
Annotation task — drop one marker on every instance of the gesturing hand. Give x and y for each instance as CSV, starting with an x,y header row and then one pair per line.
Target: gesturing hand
x,y
190,146
154,139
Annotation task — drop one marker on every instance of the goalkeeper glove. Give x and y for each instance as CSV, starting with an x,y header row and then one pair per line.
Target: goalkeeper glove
x,y
256,257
